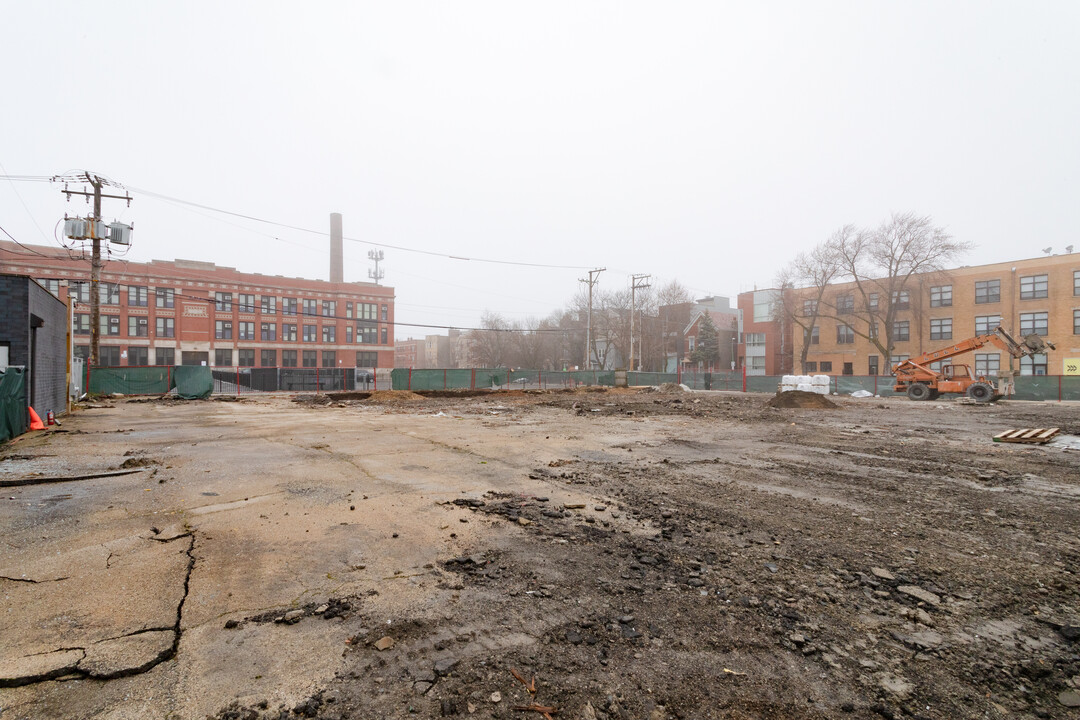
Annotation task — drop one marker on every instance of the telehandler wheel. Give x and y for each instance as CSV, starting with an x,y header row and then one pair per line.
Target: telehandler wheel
x,y
918,391
981,392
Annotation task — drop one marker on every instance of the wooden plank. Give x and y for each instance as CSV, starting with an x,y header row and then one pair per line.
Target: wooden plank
x,y
1027,435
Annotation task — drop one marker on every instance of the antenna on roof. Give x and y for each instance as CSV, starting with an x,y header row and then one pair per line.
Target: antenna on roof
x,y
1047,250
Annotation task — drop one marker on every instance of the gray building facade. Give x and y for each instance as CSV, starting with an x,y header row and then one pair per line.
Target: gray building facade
x,y
33,334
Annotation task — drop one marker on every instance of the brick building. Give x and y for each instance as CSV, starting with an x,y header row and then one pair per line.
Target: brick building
x,y
186,312
766,339
1037,295
33,335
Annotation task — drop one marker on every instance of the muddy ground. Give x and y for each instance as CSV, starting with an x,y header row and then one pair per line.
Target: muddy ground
x,y
640,554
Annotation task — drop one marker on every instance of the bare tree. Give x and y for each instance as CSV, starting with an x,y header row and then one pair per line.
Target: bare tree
x,y
490,346
811,274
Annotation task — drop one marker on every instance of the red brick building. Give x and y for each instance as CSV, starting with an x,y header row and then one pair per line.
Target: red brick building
x,y
766,341
187,312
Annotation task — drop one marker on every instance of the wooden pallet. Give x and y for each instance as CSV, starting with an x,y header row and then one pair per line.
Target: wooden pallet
x,y
1027,435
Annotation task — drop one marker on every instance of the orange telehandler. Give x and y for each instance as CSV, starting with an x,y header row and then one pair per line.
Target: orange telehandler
x,y
915,376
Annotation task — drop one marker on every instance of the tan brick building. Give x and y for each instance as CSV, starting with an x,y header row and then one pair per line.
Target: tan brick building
x,y
1038,295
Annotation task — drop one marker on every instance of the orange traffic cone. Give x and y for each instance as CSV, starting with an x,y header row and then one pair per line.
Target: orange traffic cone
x,y
35,421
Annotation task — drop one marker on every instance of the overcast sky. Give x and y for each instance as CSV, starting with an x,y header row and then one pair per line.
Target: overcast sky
x,y
704,142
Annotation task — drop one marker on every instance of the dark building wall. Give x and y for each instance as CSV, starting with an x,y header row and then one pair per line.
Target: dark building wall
x,y
24,304
15,318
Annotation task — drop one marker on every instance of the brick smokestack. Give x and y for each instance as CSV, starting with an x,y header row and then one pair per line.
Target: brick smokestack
x,y
337,260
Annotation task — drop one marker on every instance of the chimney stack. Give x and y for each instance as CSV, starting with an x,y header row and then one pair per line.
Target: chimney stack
x,y
336,256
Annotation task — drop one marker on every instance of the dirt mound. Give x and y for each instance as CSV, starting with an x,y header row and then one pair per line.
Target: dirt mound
x,y
394,396
801,399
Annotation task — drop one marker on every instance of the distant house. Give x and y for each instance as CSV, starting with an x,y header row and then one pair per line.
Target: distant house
x,y
726,320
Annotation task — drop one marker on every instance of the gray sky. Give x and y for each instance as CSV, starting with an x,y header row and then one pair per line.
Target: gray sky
x,y
706,141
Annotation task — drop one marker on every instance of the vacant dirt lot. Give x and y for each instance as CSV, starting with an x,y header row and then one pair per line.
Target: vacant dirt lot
x,y
640,554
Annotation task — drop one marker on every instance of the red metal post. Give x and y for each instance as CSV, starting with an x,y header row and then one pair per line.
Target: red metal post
x,y
472,380
237,379
875,385
508,378
744,378
410,379
540,379
444,379
1059,388
318,385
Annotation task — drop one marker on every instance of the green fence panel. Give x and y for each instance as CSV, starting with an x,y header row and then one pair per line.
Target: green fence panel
x,y
650,378
130,381
1070,387
193,382
13,414
1036,387
459,379
762,383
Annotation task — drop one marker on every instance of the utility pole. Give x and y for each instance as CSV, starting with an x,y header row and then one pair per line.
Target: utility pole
x,y
593,274
637,282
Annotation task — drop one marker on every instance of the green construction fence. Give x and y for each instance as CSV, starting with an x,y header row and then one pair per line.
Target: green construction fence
x,y
191,381
13,414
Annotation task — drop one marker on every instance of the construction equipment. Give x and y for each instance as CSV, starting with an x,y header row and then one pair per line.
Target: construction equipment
x,y
916,377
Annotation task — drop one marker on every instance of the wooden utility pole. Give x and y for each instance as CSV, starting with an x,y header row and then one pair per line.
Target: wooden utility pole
x,y
637,282
588,327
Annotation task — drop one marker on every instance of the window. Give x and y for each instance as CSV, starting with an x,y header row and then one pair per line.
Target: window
x,y
310,358
901,330
872,302
268,358
872,365
809,308
82,351
247,303
81,324
367,334
109,356
109,293
311,307
268,304
689,340
987,291
348,334
898,359
1076,282
1033,322
1076,322
986,323
366,359
849,369
845,334
268,332
165,327
940,365
288,358
384,310
329,308
826,366
815,335
110,325
223,330
245,331
1033,286
138,327
288,307
165,356
348,310
138,356
755,365
165,297
328,333
901,299
137,296
310,333
288,333
365,311
1033,365
941,329
987,364
223,303
79,290
52,286
874,329
223,357
811,366
245,357
941,296
384,336
755,339
845,304
329,358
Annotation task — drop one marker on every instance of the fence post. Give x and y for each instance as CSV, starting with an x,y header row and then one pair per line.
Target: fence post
x,y
444,379
168,377
1059,388
237,379
507,378
472,380
678,372
410,379
318,385
875,385
744,378
540,379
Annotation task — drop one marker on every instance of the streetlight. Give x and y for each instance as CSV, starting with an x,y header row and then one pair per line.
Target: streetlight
x,y
733,352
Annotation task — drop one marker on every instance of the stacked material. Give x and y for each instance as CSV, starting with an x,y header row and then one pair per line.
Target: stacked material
x,y
805,383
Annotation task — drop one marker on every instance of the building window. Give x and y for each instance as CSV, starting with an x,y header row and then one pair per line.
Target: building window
x,y
329,308
165,327
809,308
288,358
815,335
310,307
245,357
1034,286
137,296
384,312
845,304
223,357
385,335
165,297
826,366
288,333
986,324
1033,322
1076,322
223,302
367,359
109,356
268,332
348,310
755,339
901,299
368,335
109,293
223,330
311,333
872,364
138,326
987,291
811,366
845,334
246,303
941,329
268,304
165,356
849,369
897,359
110,325
1076,282
329,332
288,307
689,340
348,334
81,324
329,358
52,286
366,311
138,356
941,296
872,302
79,290
901,330
310,358
268,358
1033,365
246,331
987,364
